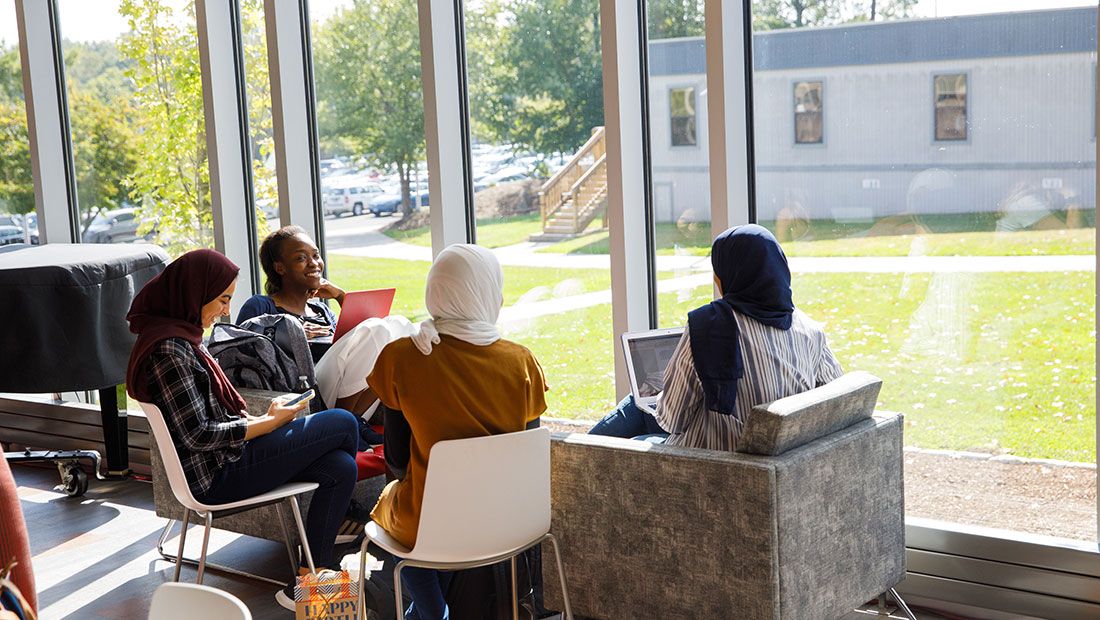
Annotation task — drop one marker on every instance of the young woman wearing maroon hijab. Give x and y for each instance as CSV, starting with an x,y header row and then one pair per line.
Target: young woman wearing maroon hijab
x,y
228,455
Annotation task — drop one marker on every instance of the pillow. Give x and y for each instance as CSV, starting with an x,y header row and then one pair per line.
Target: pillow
x,y
781,425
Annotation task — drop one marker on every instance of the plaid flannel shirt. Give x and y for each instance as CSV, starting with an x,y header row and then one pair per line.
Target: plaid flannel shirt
x,y
206,435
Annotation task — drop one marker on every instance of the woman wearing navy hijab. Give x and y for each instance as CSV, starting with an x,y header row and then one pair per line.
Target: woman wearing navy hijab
x,y
748,347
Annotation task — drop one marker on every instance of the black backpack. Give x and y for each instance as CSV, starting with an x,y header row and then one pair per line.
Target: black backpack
x,y
252,360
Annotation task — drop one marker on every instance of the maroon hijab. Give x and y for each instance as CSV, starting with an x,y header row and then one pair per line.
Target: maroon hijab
x,y
170,306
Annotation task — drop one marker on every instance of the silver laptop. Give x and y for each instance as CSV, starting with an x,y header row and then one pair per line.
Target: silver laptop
x,y
647,355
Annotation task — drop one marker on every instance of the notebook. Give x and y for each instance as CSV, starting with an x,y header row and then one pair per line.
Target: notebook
x,y
647,355
359,306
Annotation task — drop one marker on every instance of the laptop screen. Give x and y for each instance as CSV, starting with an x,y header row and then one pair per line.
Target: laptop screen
x,y
649,356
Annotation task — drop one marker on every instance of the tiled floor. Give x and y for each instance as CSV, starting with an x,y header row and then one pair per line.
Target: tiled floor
x,y
95,556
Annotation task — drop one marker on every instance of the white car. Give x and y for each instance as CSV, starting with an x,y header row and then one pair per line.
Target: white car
x,y
354,198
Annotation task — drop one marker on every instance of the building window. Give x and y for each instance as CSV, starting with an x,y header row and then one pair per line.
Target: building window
x,y
950,103
682,112
808,126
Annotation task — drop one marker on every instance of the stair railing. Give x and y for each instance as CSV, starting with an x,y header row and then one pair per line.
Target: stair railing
x,y
554,193
587,190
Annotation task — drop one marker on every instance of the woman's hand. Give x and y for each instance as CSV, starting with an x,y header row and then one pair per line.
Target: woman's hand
x,y
313,330
328,290
277,415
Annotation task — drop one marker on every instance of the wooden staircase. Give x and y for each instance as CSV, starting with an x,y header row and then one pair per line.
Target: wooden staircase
x,y
573,197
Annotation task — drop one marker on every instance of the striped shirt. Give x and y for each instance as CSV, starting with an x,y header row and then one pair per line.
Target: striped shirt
x,y
777,363
206,435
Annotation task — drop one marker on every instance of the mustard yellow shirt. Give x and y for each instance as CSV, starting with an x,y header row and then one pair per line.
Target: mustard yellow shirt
x,y
461,390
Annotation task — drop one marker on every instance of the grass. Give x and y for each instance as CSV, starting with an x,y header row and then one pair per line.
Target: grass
x,y
989,362
355,273
695,239
491,233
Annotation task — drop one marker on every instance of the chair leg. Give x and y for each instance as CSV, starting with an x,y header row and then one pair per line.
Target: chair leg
x,y
183,537
397,589
294,564
205,544
561,576
515,591
901,604
302,533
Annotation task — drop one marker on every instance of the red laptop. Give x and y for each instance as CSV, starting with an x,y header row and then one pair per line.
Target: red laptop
x,y
359,306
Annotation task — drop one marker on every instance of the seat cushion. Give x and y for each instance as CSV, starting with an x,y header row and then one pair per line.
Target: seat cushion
x,y
781,425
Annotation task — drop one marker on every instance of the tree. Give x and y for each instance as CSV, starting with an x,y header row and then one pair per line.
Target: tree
x,y
675,18
542,83
172,176
105,151
367,68
16,178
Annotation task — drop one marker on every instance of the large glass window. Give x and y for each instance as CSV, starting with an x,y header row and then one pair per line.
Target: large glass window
x,y
18,220
680,190
136,114
963,277
540,177
370,116
949,99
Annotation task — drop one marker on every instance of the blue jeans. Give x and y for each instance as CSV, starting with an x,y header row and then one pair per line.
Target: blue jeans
x,y
317,448
630,422
426,588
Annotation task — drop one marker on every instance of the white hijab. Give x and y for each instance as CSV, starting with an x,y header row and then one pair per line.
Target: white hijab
x,y
464,293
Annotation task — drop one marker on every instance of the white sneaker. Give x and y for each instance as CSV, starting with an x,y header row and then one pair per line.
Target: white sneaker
x,y
285,597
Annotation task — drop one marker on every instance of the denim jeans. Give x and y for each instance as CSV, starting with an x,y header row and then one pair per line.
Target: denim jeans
x,y
426,588
630,422
317,448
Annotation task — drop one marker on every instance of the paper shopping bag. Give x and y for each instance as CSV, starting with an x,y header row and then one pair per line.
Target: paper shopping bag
x,y
327,595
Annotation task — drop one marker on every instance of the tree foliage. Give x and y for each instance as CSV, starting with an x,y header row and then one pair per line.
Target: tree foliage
x,y
536,73
675,18
367,67
16,180
172,175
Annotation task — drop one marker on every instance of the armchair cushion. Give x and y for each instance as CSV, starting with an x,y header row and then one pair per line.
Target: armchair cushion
x,y
781,425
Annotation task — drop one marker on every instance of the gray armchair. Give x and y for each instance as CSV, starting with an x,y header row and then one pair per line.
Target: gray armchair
x,y
804,522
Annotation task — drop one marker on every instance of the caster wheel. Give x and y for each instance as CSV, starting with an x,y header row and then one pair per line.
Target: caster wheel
x,y
75,481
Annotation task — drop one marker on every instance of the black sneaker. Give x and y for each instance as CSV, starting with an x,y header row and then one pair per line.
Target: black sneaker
x,y
285,597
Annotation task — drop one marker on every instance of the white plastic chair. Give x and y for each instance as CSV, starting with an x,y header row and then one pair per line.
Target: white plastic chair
x,y
185,601
209,512
486,499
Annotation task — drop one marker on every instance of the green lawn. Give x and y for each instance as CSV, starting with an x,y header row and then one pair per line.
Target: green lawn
x,y
491,233
355,273
675,240
994,362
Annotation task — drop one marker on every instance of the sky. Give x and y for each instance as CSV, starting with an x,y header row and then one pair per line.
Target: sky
x,y
93,20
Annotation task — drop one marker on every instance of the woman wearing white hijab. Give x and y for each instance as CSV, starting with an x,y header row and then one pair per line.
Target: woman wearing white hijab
x,y
454,378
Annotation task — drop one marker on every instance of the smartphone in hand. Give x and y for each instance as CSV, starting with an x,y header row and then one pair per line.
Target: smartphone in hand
x,y
309,394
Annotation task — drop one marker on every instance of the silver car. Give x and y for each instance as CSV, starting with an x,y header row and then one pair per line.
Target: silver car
x,y
354,198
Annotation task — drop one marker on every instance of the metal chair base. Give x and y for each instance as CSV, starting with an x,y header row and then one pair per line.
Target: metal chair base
x,y
179,560
362,613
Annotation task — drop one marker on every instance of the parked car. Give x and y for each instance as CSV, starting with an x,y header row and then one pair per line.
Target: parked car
x,y
31,220
11,219
115,226
353,198
390,202
10,234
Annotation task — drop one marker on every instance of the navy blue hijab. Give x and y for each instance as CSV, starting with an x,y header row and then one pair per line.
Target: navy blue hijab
x,y
757,283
